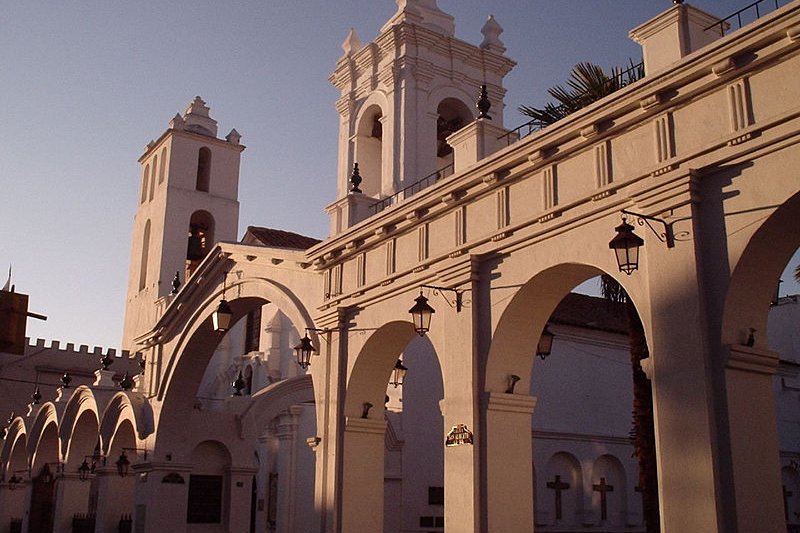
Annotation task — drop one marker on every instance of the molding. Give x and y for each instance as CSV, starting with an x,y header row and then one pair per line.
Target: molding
x,y
751,359
365,425
511,403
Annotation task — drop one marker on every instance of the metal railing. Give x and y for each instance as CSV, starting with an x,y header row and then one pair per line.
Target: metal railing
x,y
412,189
619,78
755,6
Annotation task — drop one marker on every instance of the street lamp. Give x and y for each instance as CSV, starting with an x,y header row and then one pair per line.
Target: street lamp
x,y
421,314
123,463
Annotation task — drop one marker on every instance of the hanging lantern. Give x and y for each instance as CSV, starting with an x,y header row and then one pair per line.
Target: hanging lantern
x,y
398,374
626,246
303,352
545,345
84,470
123,464
421,314
222,317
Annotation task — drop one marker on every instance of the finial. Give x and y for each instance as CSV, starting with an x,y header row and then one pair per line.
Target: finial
x,y
126,382
355,179
176,283
491,36
484,104
106,361
352,43
36,396
677,2
233,137
66,379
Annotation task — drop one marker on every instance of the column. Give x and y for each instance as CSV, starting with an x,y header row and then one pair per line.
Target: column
x,y
755,460
162,493
287,456
71,498
454,336
362,483
114,497
509,462
239,497
12,502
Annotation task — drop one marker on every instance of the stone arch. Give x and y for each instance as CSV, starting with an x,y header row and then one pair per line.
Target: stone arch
x,y
369,143
562,468
15,440
756,274
268,403
81,401
120,409
523,320
145,178
183,374
609,470
373,366
163,165
45,417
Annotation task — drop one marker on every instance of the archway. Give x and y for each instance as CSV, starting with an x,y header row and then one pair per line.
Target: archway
x,y
369,148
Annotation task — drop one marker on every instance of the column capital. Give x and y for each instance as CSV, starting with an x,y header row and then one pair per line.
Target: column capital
x,y
512,403
751,359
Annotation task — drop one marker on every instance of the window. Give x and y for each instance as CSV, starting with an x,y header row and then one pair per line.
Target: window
x,y
145,177
205,500
203,169
252,333
145,254
163,164
435,495
153,178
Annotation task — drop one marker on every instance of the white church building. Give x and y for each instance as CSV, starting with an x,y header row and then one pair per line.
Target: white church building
x,y
427,366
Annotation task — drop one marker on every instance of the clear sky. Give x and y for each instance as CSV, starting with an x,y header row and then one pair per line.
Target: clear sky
x,y
85,85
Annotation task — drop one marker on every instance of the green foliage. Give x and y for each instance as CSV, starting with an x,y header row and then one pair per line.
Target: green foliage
x,y
587,83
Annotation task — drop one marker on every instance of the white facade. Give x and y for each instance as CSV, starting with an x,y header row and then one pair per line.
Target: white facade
x,y
706,142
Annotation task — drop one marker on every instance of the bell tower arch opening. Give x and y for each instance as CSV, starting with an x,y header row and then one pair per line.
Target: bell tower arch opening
x,y
451,115
369,150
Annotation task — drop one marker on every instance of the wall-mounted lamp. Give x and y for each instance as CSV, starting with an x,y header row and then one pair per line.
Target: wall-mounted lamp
x,y
545,345
512,382
305,349
398,374
15,480
126,383
36,396
626,243
421,314
222,314
123,463
366,406
85,469
46,476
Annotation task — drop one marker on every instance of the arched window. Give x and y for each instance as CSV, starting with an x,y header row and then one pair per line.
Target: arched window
x,y
163,165
203,169
145,177
369,150
153,178
200,239
452,116
145,254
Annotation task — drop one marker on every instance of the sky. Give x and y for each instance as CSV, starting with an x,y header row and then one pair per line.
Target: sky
x,y
85,85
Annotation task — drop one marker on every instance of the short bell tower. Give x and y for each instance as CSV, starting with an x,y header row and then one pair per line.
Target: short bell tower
x,y
402,95
187,202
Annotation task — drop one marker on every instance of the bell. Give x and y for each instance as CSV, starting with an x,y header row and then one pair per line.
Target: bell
x,y
194,251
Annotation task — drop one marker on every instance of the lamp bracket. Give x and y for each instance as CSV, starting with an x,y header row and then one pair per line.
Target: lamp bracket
x,y
667,236
458,303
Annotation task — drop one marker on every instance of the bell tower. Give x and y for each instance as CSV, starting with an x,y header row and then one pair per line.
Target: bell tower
x,y
188,201
401,96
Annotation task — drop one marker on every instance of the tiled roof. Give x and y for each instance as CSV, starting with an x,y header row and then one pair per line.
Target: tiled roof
x,y
278,238
591,312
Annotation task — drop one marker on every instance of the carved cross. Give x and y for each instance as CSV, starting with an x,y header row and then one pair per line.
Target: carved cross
x,y
558,486
602,488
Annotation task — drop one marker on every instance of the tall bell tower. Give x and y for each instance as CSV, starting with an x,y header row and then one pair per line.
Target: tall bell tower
x,y
401,96
188,201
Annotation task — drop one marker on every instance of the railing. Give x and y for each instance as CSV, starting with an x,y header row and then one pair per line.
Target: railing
x,y
412,189
619,78
755,6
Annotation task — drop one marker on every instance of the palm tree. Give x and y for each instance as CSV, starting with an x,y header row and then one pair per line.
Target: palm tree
x,y
588,83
